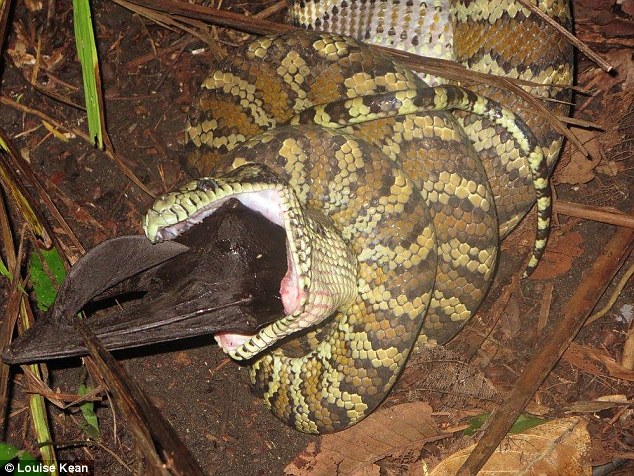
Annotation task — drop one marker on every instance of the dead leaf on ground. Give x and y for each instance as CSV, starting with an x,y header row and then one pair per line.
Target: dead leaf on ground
x,y
22,51
621,60
580,169
33,5
390,433
576,357
559,256
18,50
611,168
511,324
585,357
440,370
598,405
554,448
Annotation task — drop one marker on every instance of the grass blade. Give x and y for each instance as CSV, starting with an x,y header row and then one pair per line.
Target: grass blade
x,y
87,52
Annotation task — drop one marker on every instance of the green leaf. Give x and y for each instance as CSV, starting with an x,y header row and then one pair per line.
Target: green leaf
x,y
10,453
523,423
47,273
476,422
4,271
91,426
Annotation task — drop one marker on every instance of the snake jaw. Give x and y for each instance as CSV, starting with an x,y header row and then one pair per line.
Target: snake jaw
x,y
322,269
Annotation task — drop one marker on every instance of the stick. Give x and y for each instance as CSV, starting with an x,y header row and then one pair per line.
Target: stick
x,y
591,212
585,49
156,438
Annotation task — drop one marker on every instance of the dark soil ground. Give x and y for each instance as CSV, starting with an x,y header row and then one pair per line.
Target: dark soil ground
x,y
150,74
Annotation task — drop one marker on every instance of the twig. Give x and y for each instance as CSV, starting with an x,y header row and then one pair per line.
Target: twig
x,y
46,91
272,10
216,16
149,37
160,445
21,309
176,46
10,309
591,212
599,314
38,386
627,357
79,133
585,49
5,8
171,22
581,123
19,172
73,206
456,72
552,347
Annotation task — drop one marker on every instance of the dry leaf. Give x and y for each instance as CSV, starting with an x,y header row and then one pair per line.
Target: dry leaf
x,y
559,256
511,324
33,5
22,52
554,448
391,432
618,398
576,356
621,59
588,406
611,168
18,50
580,169
438,369
593,406
582,357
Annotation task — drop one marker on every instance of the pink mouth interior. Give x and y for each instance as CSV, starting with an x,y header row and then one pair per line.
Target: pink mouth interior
x,y
230,342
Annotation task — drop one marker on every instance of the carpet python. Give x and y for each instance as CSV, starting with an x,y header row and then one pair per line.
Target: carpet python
x,y
393,190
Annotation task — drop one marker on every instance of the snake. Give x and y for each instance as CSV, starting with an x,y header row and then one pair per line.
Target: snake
x,y
394,190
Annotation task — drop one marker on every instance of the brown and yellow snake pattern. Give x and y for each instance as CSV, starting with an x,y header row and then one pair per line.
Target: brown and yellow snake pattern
x,y
393,195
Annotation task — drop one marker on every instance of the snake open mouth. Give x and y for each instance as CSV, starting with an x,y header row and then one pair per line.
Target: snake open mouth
x,y
269,205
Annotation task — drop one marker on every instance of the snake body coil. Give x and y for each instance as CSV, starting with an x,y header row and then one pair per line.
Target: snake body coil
x,y
393,203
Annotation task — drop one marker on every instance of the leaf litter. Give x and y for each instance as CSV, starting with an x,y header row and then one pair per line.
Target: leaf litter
x,y
438,394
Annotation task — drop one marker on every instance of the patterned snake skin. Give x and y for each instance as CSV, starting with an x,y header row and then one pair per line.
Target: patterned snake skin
x,y
393,194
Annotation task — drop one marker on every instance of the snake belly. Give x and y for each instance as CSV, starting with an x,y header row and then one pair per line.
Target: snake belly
x,y
392,227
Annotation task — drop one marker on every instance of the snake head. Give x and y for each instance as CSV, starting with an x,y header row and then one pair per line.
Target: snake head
x,y
321,277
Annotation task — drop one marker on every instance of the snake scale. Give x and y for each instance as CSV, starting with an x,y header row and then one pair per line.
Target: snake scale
x,y
393,191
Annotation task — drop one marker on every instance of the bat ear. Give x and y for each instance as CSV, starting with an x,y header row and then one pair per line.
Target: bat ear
x,y
102,267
